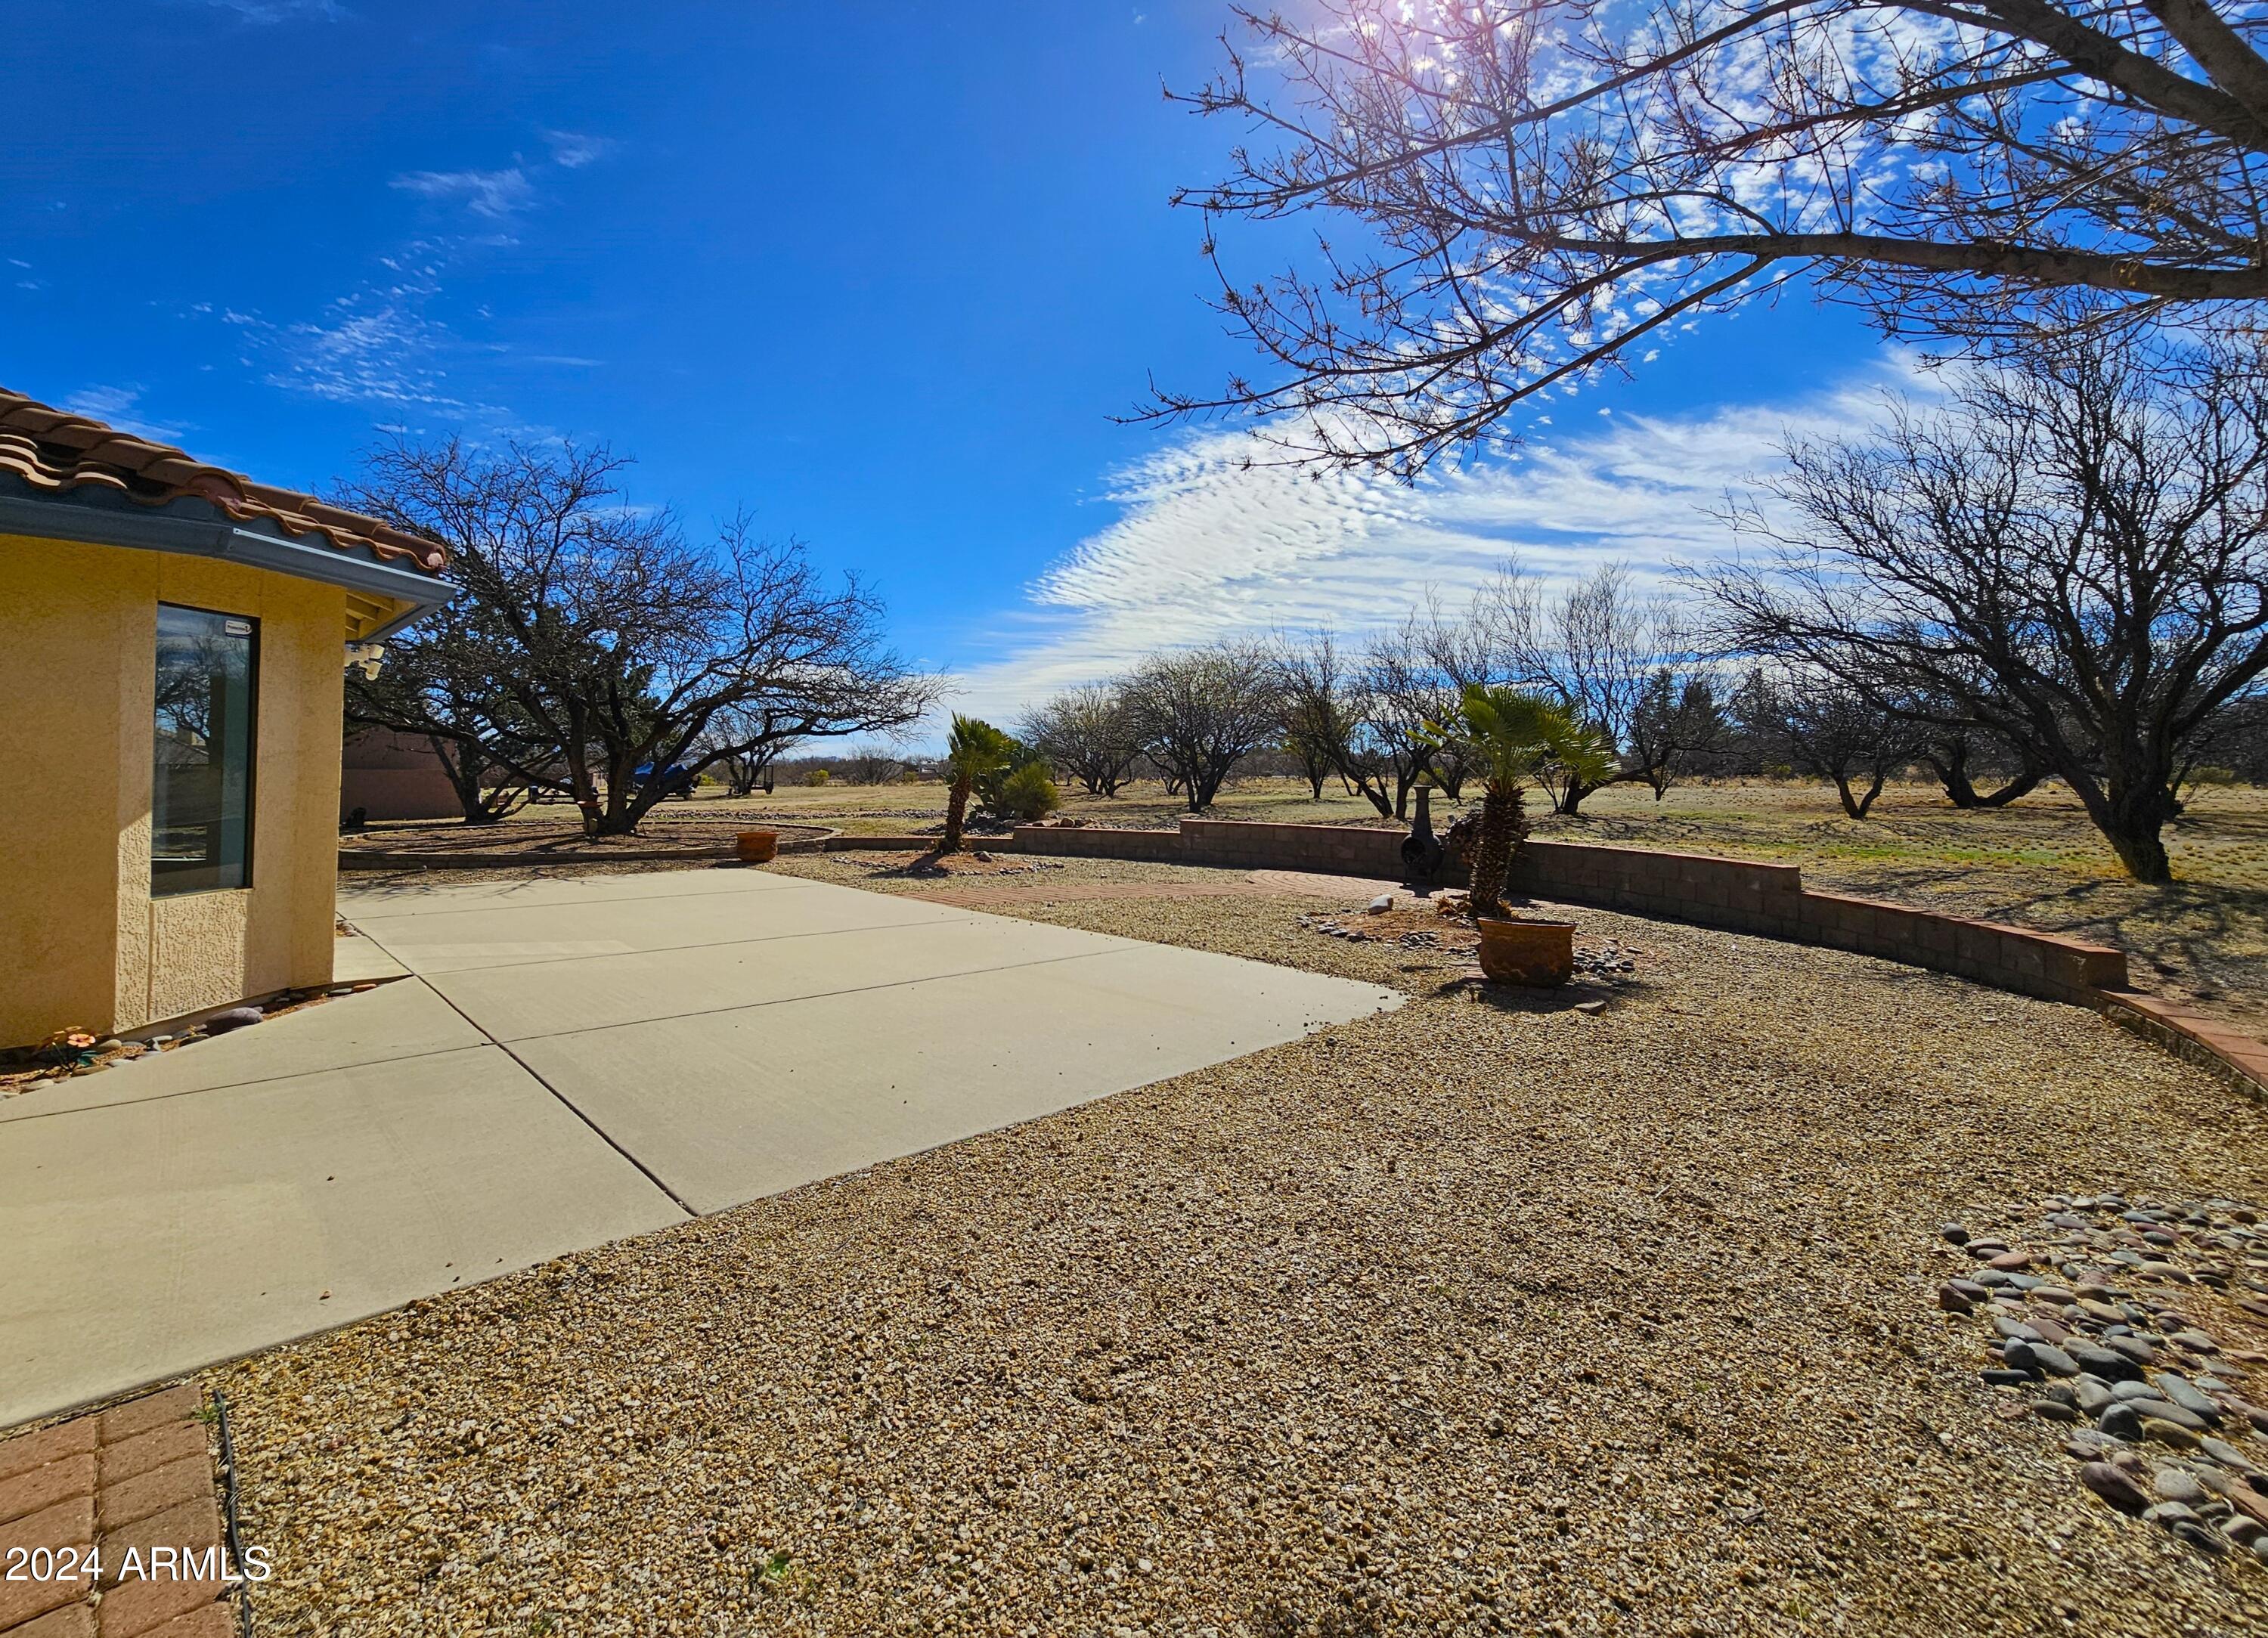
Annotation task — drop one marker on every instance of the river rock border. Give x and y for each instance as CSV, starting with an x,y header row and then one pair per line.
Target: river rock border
x,y
2134,1326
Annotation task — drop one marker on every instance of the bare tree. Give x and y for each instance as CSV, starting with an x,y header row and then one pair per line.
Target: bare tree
x,y
1959,750
1540,186
2238,739
1201,711
1592,647
1835,732
1330,708
869,765
1411,683
1674,726
1088,734
750,749
1312,757
438,682
2075,550
626,641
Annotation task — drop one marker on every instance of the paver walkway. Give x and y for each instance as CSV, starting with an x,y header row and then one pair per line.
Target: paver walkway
x,y
572,1062
110,1528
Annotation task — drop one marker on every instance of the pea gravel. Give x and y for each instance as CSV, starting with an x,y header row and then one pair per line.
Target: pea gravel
x,y
1484,1315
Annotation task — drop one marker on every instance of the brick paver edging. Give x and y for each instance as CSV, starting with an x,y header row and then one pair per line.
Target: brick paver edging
x,y
2212,1045
133,1486
1741,895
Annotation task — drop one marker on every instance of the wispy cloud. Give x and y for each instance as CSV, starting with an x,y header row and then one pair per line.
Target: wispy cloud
x,y
1213,540
571,150
492,194
121,407
379,344
280,11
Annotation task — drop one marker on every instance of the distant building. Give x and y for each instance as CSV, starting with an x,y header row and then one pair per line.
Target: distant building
x,y
390,776
173,646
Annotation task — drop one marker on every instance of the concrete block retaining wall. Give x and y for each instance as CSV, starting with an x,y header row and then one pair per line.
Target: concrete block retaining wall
x,y
1737,894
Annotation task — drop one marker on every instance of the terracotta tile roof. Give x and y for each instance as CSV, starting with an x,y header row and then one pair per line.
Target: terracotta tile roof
x,y
52,450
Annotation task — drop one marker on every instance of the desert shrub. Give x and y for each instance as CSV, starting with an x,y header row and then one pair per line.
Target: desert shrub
x,y
817,776
991,785
1028,794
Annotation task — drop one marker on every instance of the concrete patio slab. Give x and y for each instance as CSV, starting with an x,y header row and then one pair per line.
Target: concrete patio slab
x,y
359,961
766,1097
433,894
574,1060
149,1237
547,997
505,934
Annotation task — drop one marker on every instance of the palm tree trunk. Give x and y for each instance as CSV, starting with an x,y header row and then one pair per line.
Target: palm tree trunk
x,y
1504,826
956,812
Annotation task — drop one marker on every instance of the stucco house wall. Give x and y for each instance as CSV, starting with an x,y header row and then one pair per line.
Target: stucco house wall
x,y
82,940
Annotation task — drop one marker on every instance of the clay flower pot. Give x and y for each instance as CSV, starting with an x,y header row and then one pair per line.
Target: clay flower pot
x,y
1539,954
757,846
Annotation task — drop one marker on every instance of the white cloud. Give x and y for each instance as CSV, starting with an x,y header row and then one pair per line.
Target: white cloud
x,y
495,194
119,405
280,11
571,150
1212,542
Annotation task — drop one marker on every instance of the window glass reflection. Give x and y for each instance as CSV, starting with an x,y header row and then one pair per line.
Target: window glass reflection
x,y
200,800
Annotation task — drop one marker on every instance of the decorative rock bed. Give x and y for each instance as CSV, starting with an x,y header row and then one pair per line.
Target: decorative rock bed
x,y
69,1053
1438,922
2117,1320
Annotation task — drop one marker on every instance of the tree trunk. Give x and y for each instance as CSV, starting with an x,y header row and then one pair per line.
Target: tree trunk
x,y
623,811
580,786
463,765
956,812
2022,784
1856,807
1952,774
2133,822
1571,798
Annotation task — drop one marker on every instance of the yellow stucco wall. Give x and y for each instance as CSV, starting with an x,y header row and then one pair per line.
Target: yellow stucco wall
x,y
81,940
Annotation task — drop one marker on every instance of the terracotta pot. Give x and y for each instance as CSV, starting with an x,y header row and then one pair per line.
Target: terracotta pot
x,y
757,846
1535,953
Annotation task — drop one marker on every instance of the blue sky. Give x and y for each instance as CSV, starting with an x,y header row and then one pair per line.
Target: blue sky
x,y
883,274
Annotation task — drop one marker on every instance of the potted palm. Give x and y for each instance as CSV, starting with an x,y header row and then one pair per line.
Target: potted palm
x,y
975,750
1510,736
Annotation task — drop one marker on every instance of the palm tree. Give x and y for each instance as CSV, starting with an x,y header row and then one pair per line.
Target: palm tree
x,y
975,750
1511,735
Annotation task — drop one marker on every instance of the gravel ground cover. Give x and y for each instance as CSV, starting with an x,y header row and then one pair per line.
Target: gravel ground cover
x,y
1484,1315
